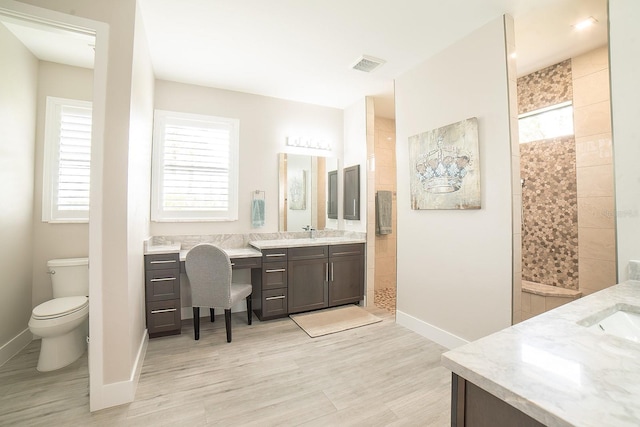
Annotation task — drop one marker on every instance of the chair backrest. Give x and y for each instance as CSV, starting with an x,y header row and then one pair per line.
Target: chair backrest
x,y
209,272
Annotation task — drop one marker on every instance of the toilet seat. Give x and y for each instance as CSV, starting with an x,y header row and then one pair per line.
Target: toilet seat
x,y
59,307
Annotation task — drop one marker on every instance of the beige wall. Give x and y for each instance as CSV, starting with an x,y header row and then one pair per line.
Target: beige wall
x,y
594,171
625,87
139,183
55,240
18,79
265,124
455,267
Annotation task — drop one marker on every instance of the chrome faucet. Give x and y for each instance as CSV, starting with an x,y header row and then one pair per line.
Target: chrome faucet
x,y
311,230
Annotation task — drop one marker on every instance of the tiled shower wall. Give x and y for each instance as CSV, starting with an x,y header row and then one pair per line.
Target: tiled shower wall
x,y
542,88
385,155
550,212
585,80
549,193
594,166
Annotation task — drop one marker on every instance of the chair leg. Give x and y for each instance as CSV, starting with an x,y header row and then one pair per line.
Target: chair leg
x,y
249,313
227,322
196,322
212,312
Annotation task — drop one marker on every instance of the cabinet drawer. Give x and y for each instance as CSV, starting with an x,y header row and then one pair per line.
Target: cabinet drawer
x,y
346,250
161,261
163,317
274,275
162,285
252,262
272,255
308,252
274,302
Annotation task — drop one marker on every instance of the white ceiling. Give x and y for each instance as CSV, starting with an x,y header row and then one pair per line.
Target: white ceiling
x,y
303,50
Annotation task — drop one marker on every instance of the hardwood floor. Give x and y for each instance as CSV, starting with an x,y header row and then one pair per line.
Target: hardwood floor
x,y
272,374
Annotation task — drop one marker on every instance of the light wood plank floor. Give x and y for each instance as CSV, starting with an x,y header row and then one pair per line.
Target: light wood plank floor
x,y
272,374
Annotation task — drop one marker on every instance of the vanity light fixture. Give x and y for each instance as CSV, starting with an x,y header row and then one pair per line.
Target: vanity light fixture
x,y
585,24
304,142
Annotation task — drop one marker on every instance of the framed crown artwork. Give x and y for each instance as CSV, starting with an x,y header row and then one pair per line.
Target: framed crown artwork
x,y
445,167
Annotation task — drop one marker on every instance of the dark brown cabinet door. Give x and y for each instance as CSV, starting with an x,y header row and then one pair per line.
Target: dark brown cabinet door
x,y
308,287
351,207
346,279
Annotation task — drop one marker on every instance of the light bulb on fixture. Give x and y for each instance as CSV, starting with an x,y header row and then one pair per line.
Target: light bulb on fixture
x,y
586,23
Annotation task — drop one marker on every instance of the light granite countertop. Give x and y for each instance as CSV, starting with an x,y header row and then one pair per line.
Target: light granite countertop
x,y
294,243
556,370
232,252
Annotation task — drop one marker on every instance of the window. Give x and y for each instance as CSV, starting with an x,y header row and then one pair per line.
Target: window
x,y
550,122
195,168
67,160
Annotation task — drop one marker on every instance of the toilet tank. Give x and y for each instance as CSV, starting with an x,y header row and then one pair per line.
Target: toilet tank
x,y
69,277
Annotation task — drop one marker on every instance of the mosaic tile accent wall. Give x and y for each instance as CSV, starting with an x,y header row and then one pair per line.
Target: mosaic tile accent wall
x,y
550,212
542,88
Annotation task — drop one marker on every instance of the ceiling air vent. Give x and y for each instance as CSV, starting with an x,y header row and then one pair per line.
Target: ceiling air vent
x,y
367,64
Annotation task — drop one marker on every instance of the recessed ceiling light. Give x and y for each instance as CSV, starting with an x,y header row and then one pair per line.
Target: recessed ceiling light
x,y
585,24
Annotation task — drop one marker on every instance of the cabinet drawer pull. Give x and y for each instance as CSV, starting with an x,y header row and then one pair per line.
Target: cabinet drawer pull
x,y
272,298
164,279
164,310
275,255
275,270
346,253
332,272
170,261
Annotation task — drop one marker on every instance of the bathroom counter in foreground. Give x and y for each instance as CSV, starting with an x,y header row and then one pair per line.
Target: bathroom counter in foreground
x,y
558,371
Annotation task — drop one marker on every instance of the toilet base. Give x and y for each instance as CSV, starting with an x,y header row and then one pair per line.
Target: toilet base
x,y
62,350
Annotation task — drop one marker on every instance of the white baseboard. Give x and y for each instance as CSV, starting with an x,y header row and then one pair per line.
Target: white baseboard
x,y
122,392
429,331
14,346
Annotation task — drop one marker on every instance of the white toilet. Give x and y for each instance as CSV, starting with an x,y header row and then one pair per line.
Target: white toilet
x,y
63,321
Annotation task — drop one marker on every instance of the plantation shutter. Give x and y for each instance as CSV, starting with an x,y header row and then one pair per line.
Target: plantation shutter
x,y
74,161
195,169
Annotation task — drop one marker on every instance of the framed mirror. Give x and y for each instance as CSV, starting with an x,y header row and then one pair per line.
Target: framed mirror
x,y
303,192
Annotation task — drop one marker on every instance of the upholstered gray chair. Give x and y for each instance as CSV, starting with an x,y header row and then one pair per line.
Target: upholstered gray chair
x,y
209,272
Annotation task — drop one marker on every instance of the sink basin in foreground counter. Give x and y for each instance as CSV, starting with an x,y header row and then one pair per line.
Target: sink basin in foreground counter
x,y
621,320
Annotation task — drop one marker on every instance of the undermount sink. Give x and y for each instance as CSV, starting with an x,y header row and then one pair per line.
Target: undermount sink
x,y
620,320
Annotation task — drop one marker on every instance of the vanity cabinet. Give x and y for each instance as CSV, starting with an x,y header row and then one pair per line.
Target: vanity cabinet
x,y
471,406
297,279
308,272
270,294
162,294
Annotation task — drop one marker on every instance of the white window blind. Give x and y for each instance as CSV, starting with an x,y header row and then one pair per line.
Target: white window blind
x,y
194,167
67,160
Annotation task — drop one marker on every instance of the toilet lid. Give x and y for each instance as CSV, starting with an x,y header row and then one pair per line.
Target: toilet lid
x,y
59,307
